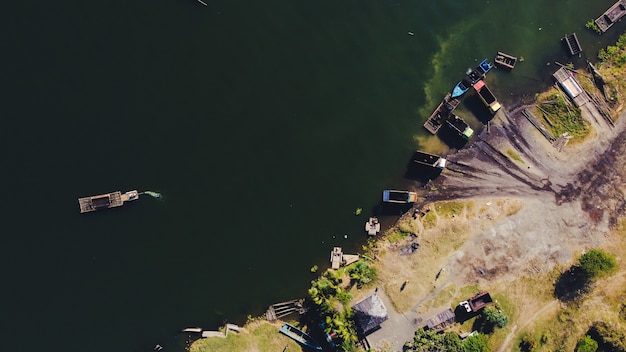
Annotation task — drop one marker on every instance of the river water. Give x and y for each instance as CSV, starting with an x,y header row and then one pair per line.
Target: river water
x,y
263,124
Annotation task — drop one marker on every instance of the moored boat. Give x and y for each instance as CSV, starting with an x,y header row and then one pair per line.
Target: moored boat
x,y
487,97
395,196
300,336
429,160
460,127
372,227
472,77
505,60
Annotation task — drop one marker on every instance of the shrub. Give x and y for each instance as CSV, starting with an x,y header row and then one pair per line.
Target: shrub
x,y
587,344
597,263
528,344
494,317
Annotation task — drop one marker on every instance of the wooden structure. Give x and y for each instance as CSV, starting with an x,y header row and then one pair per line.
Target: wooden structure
x,y
476,302
487,97
612,15
369,314
441,320
282,309
106,201
538,125
401,197
572,43
460,127
571,87
428,160
336,257
505,60
372,227
300,336
441,114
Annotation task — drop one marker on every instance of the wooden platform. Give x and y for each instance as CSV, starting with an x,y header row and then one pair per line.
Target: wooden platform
x,y
282,309
505,60
571,87
441,114
612,15
336,257
572,43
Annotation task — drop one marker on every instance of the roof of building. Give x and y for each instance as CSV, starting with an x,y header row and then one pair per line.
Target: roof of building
x,y
370,313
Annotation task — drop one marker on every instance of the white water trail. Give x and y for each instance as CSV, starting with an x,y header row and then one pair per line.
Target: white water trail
x,y
152,194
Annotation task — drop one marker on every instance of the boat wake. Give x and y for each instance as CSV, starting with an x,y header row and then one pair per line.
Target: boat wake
x,y
153,194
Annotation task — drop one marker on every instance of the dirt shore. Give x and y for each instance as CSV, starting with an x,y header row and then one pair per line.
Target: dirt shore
x,y
526,208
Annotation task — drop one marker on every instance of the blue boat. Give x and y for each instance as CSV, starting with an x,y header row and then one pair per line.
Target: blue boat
x,y
300,336
471,78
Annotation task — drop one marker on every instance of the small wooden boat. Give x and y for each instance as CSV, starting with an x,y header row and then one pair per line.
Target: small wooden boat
x,y
372,227
460,127
487,97
300,336
106,201
394,196
441,113
471,77
505,60
429,160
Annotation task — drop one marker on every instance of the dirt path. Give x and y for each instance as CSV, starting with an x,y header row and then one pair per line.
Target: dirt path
x,y
521,325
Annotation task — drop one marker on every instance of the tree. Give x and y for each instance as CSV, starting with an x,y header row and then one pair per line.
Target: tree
x,y
597,263
495,317
476,343
587,344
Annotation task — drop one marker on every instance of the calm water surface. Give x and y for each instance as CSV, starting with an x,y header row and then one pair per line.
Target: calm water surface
x,y
263,124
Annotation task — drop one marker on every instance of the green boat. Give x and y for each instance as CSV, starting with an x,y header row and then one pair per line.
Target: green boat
x,y
300,336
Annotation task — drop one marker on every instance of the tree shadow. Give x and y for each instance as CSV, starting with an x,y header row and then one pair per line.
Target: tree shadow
x,y
482,325
462,315
477,108
571,284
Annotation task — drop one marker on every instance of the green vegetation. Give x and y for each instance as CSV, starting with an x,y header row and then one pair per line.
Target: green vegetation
x,y
495,317
449,209
314,268
330,292
514,156
430,341
591,24
610,337
587,344
528,344
561,115
361,273
260,336
613,58
358,211
597,263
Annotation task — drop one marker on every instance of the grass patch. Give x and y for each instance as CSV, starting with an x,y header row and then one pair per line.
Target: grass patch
x,y
395,235
429,220
444,297
259,336
513,155
561,115
448,209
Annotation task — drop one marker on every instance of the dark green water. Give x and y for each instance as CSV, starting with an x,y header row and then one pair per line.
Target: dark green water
x,y
263,124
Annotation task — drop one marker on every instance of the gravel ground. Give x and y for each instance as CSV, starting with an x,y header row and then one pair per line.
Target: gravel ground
x,y
571,200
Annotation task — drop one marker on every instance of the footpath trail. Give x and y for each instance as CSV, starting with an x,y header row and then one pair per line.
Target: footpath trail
x,y
521,325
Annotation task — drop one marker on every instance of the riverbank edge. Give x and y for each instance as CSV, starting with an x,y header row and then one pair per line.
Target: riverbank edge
x,y
256,321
